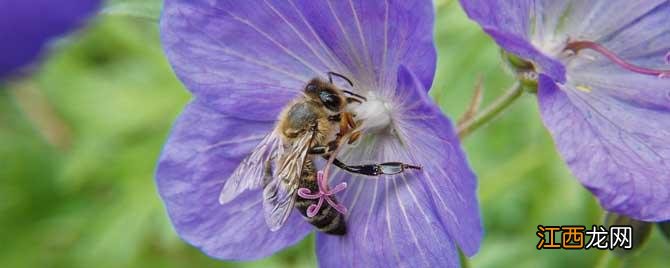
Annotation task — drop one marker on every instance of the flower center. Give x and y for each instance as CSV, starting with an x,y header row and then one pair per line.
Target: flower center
x,y
577,46
374,114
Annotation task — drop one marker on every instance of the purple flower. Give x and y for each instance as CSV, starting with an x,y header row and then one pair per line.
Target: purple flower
x,y
603,90
26,26
246,60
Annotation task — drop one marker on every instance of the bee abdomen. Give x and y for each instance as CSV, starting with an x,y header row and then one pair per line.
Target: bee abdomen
x,y
328,219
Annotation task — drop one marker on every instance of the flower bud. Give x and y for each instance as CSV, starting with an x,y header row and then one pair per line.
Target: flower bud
x,y
523,69
517,63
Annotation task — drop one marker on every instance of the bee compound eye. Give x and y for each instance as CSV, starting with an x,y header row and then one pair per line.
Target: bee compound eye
x,y
331,101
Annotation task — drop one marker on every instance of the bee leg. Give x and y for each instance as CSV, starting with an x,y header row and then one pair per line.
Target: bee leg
x,y
348,119
344,124
323,149
388,168
354,137
318,150
347,124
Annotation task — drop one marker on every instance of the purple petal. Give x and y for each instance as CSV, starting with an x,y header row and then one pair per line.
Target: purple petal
x,y
585,19
27,26
372,38
612,130
633,33
414,218
202,152
609,123
508,22
249,58
511,16
643,41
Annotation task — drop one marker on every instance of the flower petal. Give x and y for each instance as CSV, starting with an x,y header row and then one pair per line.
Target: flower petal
x,y
448,176
608,123
613,131
508,22
642,40
202,152
586,19
634,33
511,16
412,218
372,38
249,58
26,26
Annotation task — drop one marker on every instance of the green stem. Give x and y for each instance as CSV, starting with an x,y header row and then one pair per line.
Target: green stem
x,y
490,112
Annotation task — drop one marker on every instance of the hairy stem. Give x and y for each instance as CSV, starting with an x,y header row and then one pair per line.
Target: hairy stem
x,y
491,111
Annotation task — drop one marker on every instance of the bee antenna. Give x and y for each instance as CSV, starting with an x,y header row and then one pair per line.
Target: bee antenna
x,y
356,95
330,78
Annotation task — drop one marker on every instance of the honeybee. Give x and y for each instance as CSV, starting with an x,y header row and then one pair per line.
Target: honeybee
x,y
313,124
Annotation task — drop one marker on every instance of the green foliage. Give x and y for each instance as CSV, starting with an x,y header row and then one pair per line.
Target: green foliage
x,y
92,202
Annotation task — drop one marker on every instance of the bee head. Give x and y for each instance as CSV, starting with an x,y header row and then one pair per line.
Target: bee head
x,y
326,93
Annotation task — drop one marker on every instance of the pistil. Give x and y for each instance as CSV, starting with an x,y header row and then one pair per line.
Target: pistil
x,y
323,194
577,46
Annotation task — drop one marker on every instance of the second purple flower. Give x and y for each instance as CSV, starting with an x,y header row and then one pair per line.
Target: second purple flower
x,y
604,90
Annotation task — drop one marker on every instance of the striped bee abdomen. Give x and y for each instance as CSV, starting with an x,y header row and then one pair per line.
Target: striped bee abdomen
x,y
328,219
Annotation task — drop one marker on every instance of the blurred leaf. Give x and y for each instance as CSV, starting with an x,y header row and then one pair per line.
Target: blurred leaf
x,y
665,229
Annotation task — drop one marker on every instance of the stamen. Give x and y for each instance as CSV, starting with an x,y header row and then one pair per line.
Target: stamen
x,y
323,194
576,46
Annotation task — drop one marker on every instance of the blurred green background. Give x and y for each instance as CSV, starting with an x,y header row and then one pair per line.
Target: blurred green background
x,y
79,142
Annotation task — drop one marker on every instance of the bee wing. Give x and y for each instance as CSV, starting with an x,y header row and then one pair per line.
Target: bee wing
x,y
279,193
250,173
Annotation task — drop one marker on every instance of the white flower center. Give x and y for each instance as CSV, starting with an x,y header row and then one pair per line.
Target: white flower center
x,y
374,114
553,46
